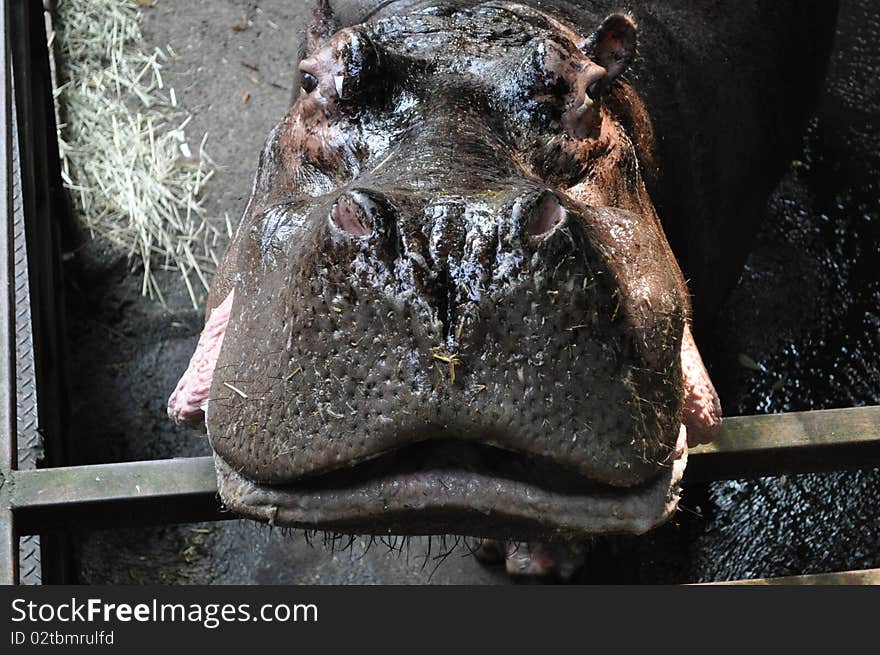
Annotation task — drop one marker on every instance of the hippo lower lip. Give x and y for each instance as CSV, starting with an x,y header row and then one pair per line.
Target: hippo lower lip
x,y
393,495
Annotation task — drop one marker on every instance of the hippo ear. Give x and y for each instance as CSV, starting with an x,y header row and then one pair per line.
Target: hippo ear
x,y
613,45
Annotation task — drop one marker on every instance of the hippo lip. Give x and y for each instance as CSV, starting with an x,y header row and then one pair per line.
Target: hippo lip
x,y
453,488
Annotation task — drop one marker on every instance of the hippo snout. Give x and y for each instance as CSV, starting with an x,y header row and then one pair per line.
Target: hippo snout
x,y
496,341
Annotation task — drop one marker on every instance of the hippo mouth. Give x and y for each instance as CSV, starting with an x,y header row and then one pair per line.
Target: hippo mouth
x,y
432,484
444,487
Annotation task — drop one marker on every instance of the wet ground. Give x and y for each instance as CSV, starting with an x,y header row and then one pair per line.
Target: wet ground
x,y
801,331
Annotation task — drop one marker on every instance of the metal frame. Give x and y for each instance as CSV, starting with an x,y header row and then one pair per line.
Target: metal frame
x,y
52,500
8,438
866,577
181,490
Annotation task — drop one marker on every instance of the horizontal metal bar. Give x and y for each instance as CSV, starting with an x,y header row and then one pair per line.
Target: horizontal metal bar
x,y
154,492
184,490
795,442
866,577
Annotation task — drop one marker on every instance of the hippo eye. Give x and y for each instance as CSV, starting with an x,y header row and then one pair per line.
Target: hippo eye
x,y
309,82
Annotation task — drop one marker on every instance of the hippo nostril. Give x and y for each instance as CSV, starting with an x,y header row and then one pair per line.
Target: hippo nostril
x,y
541,215
350,215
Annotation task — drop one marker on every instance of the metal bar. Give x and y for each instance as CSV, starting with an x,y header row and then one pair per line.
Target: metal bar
x,y
796,442
28,437
155,492
7,363
8,441
866,577
183,490
38,214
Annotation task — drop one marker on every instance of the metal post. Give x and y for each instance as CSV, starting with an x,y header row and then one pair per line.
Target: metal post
x,y
8,440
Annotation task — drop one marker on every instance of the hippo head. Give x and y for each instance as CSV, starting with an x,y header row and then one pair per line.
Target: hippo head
x,y
450,306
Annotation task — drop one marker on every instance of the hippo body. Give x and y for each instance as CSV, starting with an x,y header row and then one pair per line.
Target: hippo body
x,y
451,305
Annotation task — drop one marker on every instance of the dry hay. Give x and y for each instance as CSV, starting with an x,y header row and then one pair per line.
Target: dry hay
x,y
131,174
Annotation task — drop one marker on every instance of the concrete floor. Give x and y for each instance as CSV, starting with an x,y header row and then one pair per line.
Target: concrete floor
x,y
793,312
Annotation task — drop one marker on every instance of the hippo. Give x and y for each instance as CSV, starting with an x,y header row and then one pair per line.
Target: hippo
x,y
464,293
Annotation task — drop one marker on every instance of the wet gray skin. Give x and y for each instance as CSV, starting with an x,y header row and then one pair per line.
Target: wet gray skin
x,y
453,306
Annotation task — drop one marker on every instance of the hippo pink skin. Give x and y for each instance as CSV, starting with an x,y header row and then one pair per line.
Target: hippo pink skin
x,y
558,561
188,402
456,307
701,414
